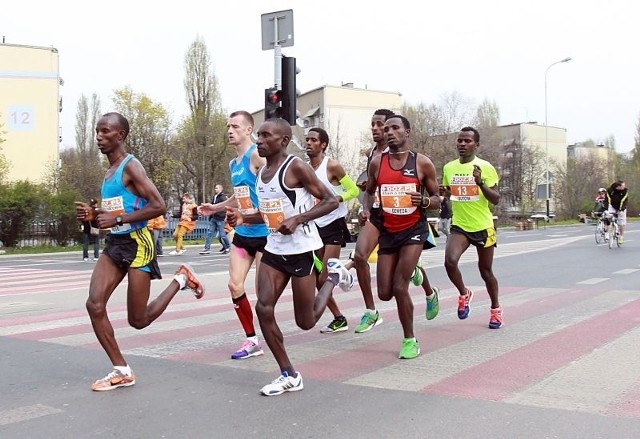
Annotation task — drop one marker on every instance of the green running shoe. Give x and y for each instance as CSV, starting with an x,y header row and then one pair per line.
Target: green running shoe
x,y
368,321
416,279
433,307
410,349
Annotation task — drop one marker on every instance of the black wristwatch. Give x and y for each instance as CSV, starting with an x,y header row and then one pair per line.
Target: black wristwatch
x,y
481,183
119,220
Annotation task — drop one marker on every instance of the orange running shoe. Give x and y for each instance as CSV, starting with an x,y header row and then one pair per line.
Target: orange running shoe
x,y
192,280
463,304
114,380
495,322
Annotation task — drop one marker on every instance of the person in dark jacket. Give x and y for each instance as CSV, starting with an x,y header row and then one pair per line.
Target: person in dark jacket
x,y
617,197
91,235
445,213
217,224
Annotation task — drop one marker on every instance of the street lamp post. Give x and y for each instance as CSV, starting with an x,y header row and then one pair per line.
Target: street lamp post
x,y
546,135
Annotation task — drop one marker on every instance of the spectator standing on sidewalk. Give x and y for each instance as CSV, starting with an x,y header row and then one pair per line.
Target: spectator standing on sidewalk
x,y
156,225
188,216
217,224
91,235
445,212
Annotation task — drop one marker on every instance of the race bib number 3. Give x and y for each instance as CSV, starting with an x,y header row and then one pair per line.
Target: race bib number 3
x,y
272,214
395,200
464,188
243,196
115,207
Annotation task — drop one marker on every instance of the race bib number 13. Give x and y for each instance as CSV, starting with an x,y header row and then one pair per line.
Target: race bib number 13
x,y
464,188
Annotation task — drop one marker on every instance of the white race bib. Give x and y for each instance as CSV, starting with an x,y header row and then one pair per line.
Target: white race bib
x,y
395,200
115,206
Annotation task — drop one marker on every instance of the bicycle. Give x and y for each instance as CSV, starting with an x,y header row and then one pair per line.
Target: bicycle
x,y
600,229
614,235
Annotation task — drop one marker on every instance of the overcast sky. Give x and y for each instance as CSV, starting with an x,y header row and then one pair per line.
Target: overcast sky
x,y
491,49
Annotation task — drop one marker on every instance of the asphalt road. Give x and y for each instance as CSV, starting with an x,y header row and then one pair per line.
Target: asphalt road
x,y
565,365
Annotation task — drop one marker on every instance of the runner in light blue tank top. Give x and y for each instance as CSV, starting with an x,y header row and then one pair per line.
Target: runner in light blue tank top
x,y
244,189
129,250
118,200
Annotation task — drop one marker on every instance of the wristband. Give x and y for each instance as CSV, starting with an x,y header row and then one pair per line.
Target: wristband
x,y
428,204
481,183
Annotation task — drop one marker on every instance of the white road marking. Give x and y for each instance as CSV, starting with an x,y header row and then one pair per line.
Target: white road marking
x,y
593,281
26,413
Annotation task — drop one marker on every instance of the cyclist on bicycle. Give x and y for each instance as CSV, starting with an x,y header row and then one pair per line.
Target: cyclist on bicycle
x,y
617,197
601,201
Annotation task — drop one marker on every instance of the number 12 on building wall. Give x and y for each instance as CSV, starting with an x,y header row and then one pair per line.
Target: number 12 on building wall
x,y
20,118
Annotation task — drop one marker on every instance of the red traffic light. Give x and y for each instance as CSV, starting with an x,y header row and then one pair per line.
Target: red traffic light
x,y
273,99
275,96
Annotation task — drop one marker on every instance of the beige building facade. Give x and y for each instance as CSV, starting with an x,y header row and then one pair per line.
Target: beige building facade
x,y
345,113
29,109
549,144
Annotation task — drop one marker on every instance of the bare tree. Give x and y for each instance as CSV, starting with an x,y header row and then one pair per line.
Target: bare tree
x,y
340,149
204,151
80,168
150,135
577,184
434,127
487,116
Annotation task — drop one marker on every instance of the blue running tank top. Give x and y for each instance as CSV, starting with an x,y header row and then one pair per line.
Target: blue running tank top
x,y
118,200
244,190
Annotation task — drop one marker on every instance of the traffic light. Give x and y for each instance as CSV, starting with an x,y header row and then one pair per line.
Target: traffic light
x,y
290,92
273,99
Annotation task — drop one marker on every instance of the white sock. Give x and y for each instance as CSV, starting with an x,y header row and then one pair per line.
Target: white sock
x,y
371,311
181,279
124,370
253,339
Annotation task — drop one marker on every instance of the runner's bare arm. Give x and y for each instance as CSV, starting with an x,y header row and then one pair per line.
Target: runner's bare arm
x,y
207,209
427,176
490,193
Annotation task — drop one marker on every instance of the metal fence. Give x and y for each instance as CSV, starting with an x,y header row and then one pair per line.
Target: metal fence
x,y
38,234
199,232
42,233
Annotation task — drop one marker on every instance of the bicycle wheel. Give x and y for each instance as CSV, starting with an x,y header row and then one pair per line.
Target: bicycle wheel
x,y
613,234
599,233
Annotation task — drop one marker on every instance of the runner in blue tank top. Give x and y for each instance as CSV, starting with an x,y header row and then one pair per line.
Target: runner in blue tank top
x,y
129,200
249,239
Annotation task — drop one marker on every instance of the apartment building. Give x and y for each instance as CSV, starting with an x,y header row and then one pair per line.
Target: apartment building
x,y
29,109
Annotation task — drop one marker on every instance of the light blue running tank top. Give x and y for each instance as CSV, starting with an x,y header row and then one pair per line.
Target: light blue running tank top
x,y
244,189
117,199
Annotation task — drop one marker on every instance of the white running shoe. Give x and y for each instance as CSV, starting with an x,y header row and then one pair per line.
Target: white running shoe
x,y
345,279
284,383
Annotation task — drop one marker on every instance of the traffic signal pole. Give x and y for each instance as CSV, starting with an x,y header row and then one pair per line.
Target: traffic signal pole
x,y
277,58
